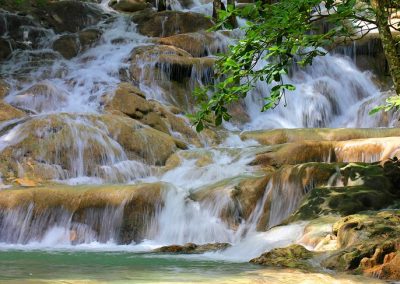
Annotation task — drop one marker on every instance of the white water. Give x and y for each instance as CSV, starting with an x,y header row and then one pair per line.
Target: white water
x,y
329,94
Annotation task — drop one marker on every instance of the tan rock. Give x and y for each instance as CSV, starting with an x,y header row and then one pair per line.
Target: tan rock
x,y
129,5
168,23
8,112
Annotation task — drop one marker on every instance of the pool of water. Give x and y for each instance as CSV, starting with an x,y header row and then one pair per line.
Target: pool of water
x,y
41,266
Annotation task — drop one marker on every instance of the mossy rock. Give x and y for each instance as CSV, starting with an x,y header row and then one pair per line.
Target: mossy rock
x,y
359,187
293,256
191,248
364,240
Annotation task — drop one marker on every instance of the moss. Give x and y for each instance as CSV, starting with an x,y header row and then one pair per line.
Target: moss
x,y
293,256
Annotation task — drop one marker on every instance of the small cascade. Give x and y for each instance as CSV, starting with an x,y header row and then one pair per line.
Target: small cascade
x,y
315,102
58,226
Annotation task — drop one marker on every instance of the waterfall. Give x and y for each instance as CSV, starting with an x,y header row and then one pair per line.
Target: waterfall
x,y
68,137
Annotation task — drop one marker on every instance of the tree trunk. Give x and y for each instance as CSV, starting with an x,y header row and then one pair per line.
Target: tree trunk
x,y
388,42
217,6
232,19
162,5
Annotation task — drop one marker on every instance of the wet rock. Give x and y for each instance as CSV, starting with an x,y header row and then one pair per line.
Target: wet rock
x,y
318,234
168,23
70,45
294,256
4,89
130,101
389,269
5,49
72,16
40,97
191,248
281,136
129,5
81,205
174,71
358,150
89,37
67,45
369,243
358,187
8,112
87,145
198,44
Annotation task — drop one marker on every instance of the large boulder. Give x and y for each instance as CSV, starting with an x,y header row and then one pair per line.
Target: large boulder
x,y
4,89
170,72
67,45
367,242
198,44
60,146
119,213
281,136
353,188
168,23
358,150
293,256
129,100
72,16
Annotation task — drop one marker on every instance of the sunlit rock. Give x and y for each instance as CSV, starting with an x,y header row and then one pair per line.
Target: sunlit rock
x,y
109,147
88,213
368,243
354,188
294,256
8,112
40,97
280,136
169,74
198,44
130,101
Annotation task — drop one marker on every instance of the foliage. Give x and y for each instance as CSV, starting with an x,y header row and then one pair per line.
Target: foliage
x,y
284,35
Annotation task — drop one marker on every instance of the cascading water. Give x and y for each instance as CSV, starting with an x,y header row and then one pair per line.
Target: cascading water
x,y
79,145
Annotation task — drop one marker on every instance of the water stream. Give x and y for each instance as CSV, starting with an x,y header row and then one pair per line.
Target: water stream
x,y
66,98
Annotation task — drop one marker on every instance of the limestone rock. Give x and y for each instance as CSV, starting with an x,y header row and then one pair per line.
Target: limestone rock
x,y
191,248
72,16
129,5
89,37
40,97
8,112
76,145
368,243
198,44
360,187
281,136
168,23
4,89
130,101
173,70
294,256
80,203
67,45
